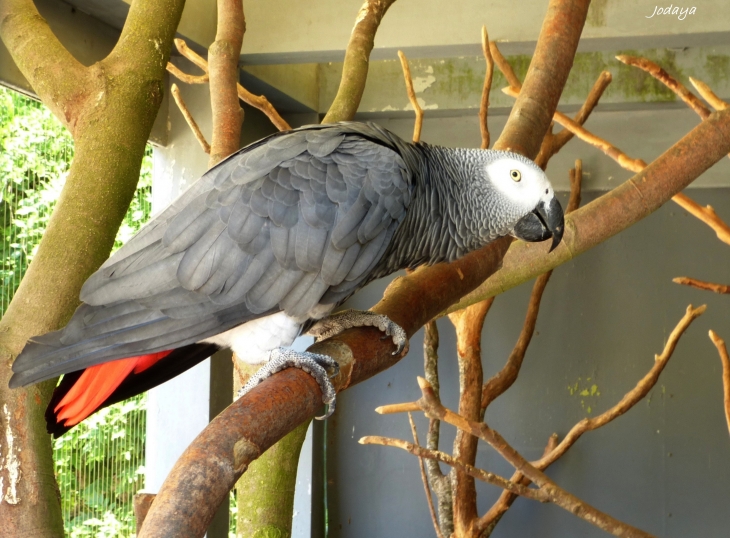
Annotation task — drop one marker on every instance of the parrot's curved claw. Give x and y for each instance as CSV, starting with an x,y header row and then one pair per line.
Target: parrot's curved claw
x,y
348,319
321,367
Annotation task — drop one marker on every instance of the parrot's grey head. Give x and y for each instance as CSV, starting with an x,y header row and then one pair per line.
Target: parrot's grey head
x,y
527,189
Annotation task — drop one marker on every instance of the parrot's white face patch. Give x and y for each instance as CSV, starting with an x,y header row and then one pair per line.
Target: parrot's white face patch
x,y
521,183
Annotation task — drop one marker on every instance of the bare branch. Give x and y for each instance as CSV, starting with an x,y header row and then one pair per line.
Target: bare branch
x,y
357,57
555,450
708,95
190,54
424,479
468,324
223,54
184,77
175,91
722,350
504,66
702,285
557,495
257,101
564,136
705,214
490,478
549,69
502,380
484,105
412,97
55,75
632,397
670,82
392,409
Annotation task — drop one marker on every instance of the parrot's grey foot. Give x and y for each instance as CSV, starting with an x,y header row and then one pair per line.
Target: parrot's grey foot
x,y
320,367
347,319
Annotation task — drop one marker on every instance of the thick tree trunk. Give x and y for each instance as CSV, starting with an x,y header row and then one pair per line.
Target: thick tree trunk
x,y
109,107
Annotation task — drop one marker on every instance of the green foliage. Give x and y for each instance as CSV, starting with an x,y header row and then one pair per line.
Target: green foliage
x,y
99,463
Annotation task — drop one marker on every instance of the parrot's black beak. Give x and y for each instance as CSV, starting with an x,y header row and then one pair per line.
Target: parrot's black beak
x,y
545,221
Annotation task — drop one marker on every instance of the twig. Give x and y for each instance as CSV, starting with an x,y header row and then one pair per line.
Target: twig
x,y
257,101
190,54
392,409
484,105
632,397
564,136
705,214
175,91
424,479
504,66
556,494
440,482
485,476
708,95
504,379
488,521
702,285
184,77
670,82
722,350
357,57
412,97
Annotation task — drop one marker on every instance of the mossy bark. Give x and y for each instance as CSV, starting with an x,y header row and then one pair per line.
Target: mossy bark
x,y
110,108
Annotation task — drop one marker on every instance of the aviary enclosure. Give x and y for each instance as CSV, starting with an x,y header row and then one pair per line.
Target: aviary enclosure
x,y
109,108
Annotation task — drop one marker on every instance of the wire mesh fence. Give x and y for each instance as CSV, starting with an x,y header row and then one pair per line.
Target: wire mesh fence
x,y
100,463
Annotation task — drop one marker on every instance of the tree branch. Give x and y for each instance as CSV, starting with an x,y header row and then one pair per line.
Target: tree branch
x,y
412,97
725,359
424,479
555,493
549,69
227,114
185,77
670,82
555,450
357,58
486,88
489,478
708,95
257,101
175,91
468,324
563,137
701,285
55,75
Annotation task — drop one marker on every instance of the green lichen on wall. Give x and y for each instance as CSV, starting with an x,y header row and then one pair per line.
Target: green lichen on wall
x,y
718,68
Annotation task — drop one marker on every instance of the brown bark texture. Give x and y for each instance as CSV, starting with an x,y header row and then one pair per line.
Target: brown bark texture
x,y
227,114
357,59
109,108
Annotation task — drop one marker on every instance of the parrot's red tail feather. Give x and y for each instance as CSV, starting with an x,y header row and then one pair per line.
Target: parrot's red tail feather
x,y
97,383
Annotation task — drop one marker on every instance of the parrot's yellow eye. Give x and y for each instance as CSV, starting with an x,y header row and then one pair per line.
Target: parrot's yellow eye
x,y
515,175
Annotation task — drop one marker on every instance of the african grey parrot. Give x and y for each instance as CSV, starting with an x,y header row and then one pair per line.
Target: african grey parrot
x,y
270,240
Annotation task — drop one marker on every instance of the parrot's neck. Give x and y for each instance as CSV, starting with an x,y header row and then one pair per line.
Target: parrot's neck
x,y
444,220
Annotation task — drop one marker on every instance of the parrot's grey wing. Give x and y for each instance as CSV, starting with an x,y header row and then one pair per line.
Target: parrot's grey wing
x,y
276,227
